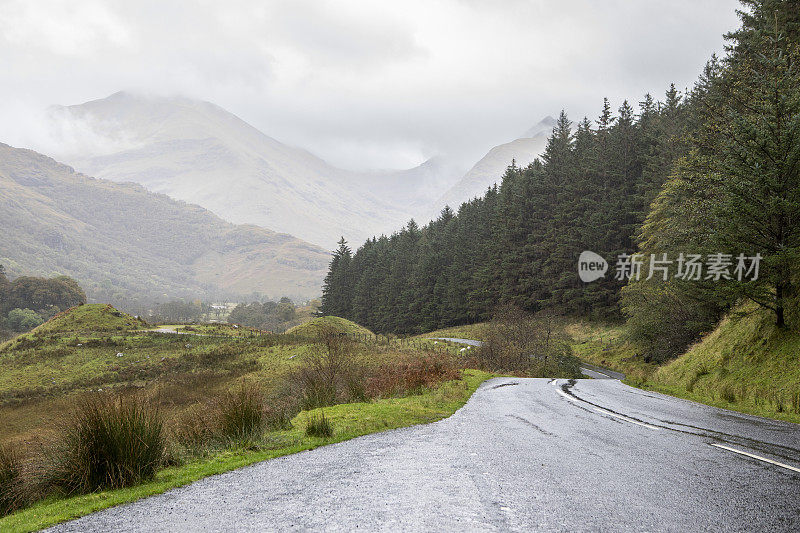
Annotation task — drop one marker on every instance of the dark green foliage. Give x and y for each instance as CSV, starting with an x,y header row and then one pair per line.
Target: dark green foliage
x,y
28,301
271,316
108,443
736,191
520,242
23,319
38,293
338,285
178,311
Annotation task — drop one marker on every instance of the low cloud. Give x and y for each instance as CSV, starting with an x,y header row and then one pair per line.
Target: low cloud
x,y
359,83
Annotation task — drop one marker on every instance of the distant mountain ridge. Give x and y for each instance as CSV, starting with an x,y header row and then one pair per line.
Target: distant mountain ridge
x,y
198,152
490,169
122,242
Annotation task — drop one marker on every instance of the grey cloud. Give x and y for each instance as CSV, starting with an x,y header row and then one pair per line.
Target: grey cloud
x,y
359,83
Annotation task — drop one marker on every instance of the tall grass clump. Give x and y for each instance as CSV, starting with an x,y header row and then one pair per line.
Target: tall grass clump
x,y
11,487
241,415
319,426
108,443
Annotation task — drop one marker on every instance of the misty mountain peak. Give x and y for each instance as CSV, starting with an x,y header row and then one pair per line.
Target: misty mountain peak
x,y
543,127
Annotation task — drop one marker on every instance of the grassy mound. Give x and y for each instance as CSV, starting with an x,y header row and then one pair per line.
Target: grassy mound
x,y
83,319
746,363
312,327
90,317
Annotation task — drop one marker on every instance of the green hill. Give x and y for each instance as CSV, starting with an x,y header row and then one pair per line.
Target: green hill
x,y
89,318
312,327
746,364
123,243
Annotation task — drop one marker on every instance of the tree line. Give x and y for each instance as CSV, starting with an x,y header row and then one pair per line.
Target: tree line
x,y
27,301
519,242
713,170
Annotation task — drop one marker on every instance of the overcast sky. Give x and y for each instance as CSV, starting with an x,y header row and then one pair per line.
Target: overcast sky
x,y
361,83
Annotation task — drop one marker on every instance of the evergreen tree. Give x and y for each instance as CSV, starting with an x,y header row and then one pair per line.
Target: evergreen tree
x,y
337,287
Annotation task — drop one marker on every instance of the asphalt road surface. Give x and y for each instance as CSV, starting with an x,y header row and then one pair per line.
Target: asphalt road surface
x,y
521,455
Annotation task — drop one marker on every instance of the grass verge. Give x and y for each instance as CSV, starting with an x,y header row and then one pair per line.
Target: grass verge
x,y
746,365
347,420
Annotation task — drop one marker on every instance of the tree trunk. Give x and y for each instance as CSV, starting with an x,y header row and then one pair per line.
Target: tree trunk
x,y
780,321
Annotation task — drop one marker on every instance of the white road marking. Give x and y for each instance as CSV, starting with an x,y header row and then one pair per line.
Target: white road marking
x,y
754,456
565,395
627,419
605,411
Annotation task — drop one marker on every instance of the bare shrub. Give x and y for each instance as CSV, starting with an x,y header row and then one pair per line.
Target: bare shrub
x,y
329,374
516,341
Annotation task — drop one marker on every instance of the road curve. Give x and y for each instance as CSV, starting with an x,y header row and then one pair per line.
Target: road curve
x,y
521,455
592,371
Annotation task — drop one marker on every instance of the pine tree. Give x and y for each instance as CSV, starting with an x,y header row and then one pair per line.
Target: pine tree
x,y
338,287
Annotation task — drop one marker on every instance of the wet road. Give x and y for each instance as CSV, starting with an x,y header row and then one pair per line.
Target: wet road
x,y
521,455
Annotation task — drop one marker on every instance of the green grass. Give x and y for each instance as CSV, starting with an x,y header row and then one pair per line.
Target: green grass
x,y
312,327
605,345
348,421
746,364
475,332
81,319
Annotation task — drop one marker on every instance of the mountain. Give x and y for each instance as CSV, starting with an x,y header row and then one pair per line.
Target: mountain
x,y
124,243
416,187
198,152
491,167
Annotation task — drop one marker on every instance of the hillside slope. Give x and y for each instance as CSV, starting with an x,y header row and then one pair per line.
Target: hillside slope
x,y
200,153
746,363
122,242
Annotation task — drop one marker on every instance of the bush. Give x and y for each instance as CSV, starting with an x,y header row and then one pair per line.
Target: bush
x,y
108,443
329,374
410,375
11,487
535,345
23,319
319,426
